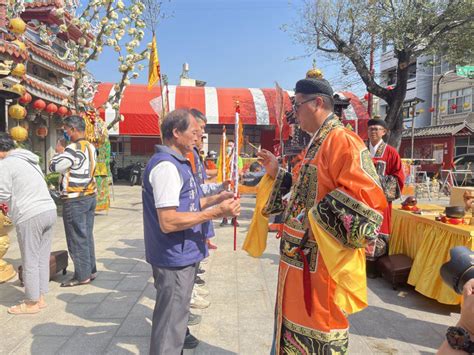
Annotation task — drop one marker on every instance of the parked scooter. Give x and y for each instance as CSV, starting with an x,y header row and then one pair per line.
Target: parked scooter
x,y
136,174
114,169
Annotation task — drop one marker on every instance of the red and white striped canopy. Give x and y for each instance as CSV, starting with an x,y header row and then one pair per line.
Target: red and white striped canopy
x,y
257,106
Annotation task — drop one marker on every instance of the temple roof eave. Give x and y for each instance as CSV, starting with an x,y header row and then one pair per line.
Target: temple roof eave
x,y
32,83
65,68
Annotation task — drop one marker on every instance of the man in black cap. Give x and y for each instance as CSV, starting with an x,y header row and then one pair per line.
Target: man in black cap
x,y
335,205
387,163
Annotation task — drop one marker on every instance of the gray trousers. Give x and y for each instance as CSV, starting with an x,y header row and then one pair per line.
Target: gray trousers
x,y
34,237
174,287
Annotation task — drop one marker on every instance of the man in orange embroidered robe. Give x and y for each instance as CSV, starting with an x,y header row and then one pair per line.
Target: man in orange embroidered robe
x,y
387,162
335,206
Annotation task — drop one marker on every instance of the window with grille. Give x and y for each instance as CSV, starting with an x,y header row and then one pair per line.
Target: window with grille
x,y
456,101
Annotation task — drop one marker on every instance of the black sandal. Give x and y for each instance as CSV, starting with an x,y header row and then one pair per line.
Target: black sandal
x,y
74,282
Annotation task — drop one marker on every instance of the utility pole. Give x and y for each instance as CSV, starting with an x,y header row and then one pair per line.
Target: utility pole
x,y
412,106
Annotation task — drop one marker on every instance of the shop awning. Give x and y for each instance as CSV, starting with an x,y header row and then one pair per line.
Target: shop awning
x,y
257,106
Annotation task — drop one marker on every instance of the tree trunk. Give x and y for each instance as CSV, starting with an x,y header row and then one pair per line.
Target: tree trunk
x,y
395,101
395,135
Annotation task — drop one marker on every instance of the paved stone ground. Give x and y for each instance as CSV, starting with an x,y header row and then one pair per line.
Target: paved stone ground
x,y
113,315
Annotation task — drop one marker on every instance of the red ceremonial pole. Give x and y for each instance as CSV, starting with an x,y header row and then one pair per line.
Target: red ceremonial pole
x,y
236,166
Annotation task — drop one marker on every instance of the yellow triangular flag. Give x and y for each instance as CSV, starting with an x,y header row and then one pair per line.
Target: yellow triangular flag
x,y
154,65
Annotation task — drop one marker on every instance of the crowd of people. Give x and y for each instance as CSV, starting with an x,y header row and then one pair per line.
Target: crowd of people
x,y
334,214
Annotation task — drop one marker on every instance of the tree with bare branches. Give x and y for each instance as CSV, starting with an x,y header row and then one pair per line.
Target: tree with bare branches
x,y
345,30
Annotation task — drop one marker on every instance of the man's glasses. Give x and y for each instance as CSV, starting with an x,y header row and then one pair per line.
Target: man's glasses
x,y
297,105
374,129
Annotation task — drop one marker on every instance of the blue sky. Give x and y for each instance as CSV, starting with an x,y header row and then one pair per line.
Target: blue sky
x,y
227,44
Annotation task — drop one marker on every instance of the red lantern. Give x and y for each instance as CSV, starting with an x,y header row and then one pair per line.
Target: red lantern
x,y
454,106
51,108
366,97
62,111
39,105
25,99
432,109
42,131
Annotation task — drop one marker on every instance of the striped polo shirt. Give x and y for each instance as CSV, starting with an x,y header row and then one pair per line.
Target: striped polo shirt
x,y
76,164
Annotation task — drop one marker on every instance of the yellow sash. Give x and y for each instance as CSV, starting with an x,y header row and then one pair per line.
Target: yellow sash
x,y
256,240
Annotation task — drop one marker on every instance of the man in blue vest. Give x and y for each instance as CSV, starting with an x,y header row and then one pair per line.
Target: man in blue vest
x,y
173,215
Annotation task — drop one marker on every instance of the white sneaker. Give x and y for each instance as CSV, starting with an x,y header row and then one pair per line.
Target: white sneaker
x,y
199,302
201,290
205,261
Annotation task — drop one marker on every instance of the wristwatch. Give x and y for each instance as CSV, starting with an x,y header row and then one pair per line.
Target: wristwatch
x,y
458,338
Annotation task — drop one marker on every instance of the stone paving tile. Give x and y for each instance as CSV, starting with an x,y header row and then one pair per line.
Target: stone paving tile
x,y
93,339
255,284
378,333
255,335
129,345
254,304
220,290
144,306
116,305
106,275
59,326
134,282
142,266
90,297
40,345
122,265
222,335
358,345
79,313
98,285
136,325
